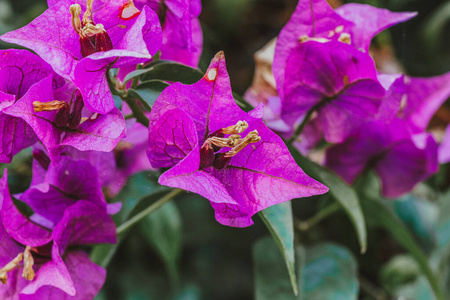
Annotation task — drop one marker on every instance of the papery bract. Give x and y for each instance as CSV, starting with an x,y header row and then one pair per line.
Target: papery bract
x,y
444,148
53,37
58,265
353,23
369,21
186,118
423,97
400,159
181,30
337,81
19,70
94,132
64,184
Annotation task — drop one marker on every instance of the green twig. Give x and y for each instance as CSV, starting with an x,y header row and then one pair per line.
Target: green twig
x,y
137,111
322,214
138,217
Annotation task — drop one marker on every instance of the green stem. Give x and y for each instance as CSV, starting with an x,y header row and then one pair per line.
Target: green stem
x,y
138,217
137,111
322,214
136,79
302,125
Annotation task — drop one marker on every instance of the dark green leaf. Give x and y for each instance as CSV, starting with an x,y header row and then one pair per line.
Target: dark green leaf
x,y
400,270
325,272
278,219
329,273
150,90
272,280
134,94
340,190
379,214
169,71
162,230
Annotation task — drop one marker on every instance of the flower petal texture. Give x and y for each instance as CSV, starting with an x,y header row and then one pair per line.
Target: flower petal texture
x,y
369,21
52,37
335,79
259,175
400,159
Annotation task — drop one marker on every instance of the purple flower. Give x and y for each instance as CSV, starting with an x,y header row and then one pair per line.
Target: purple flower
x,y
196,131
63,185
181,30
444,148
19,71
336,80
400,159
51,266
64,122
422,99
81,49
355,24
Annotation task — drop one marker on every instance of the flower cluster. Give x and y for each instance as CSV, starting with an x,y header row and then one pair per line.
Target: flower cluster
x,y
327,84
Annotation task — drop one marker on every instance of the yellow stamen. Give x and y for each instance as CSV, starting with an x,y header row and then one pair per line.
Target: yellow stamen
x,y
87,17
28,272
75,11
9,267
240,127
230,141
252,137
48,106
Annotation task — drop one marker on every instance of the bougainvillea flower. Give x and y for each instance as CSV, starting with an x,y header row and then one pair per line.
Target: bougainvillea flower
x,y
423,97
64,184
181,30
444,148
355,24
395,87
60,121
369,21
51,266
196,131
81,41
400,159
19,70
336,80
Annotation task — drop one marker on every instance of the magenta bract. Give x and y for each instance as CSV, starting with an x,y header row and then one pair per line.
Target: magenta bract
x,y
189,123
53,37
337,81
182,37
400,159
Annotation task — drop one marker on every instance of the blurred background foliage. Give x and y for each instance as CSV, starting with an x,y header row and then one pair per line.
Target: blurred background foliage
x,y
181,252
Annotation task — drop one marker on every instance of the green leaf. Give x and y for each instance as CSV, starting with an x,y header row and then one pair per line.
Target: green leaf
x,y
150,90
278,219
400,270
324,271
169,71
340,190
272,280
329,273
134,94
162,230
379,214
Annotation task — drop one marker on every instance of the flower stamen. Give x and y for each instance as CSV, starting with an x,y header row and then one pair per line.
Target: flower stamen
x,y
28,272
9,267
252,137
